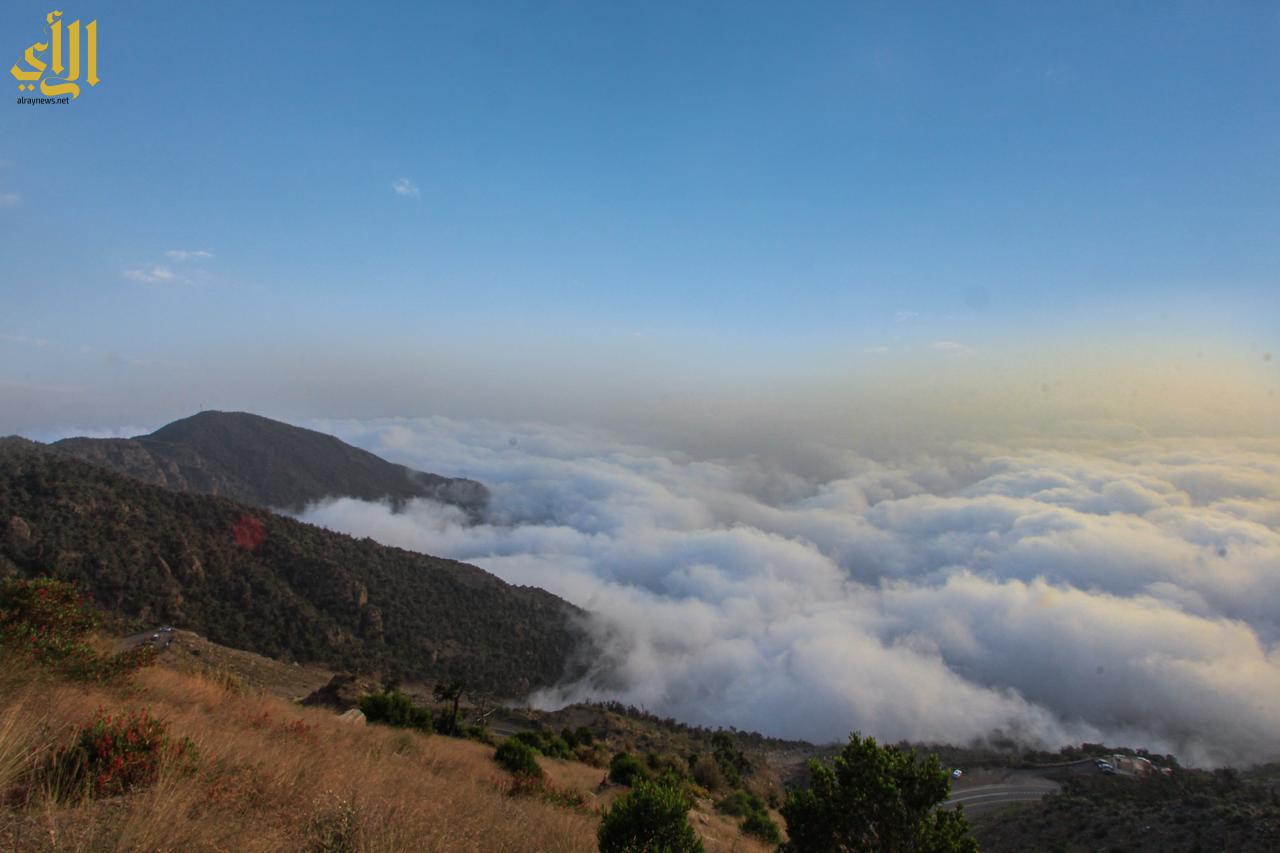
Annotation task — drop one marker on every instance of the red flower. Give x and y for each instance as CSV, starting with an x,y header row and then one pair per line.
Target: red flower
x,y
249,532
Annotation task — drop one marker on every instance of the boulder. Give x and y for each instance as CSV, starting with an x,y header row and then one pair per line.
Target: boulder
x,y
353,717
20,537
342,693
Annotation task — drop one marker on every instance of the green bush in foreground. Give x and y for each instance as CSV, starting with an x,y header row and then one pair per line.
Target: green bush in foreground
x,y
518,757
651,817
875,798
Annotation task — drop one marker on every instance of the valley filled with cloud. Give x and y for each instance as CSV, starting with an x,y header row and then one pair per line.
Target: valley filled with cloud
x,y
1102,586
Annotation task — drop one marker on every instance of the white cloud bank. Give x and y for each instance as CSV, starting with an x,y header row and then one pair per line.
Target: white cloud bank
x,y
1123,591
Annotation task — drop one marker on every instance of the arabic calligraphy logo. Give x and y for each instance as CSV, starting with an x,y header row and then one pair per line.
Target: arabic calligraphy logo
x,y
61,80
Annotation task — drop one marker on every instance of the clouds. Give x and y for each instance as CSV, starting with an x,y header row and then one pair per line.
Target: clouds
x,y
404,187
1118,591
153,274
188,254
26,340
184,268
951,348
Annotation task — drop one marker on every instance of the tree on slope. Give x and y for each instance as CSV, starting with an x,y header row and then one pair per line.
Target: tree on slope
x,y
879,798
652,817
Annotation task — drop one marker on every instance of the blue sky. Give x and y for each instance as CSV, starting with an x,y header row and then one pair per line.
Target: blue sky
x,y
619,201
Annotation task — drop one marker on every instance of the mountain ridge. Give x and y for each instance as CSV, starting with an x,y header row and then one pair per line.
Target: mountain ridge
x,y
267,463
253,579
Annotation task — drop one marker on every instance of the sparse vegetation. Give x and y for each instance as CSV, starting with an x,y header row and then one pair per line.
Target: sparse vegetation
x,y
258,788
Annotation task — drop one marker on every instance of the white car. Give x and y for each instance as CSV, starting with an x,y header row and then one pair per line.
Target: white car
x,y
957,773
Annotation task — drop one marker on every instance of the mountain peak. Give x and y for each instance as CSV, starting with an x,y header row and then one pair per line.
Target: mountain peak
x,y
268,463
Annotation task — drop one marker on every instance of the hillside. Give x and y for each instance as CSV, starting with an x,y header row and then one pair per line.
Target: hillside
x,y
251,579
270,775
1193,810
258,461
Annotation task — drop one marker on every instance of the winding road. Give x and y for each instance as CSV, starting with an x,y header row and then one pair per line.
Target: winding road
x,y
982,796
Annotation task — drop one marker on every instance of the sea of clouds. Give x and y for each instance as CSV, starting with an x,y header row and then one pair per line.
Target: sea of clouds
x,y
1107,587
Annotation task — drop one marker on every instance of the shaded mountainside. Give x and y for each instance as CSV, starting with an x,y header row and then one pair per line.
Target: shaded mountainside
x,y
266,463
1192,810
251,579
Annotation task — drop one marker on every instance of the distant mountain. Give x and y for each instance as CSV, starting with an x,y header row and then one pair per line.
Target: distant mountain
x,y
251,579
267,463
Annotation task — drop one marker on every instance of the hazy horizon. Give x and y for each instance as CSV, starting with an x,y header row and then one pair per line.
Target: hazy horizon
x,y
581,215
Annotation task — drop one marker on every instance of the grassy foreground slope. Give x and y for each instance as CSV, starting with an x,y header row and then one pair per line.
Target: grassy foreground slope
x,y
250,579
272,775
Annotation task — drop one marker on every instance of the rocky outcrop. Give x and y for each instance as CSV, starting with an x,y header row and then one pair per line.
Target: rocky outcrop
x,y
19,534
342,693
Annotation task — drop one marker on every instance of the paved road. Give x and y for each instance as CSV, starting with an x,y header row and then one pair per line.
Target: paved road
x,y
992,795
136,639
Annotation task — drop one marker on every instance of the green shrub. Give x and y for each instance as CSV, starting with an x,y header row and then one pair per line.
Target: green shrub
x,y
49,623
554,746
733,762
668,763
875,797
707,773
626,769
530,739
518,757
115,754
395,709
595,754
479,733
759,824
575,738
740,804
649,818
550,745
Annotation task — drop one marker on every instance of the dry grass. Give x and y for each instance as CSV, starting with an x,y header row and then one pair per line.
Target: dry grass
x,y
321,785
277,776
